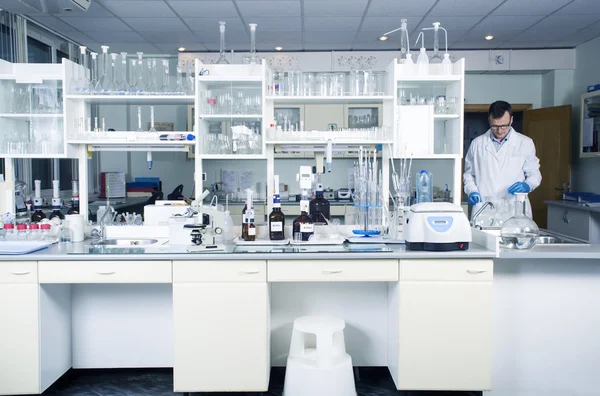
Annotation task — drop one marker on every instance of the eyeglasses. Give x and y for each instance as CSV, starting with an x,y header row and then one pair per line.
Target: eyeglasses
x,y
499,127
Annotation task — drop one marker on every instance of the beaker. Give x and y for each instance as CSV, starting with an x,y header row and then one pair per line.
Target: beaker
x,y
338,84
309,83
294,83
279,83
361,83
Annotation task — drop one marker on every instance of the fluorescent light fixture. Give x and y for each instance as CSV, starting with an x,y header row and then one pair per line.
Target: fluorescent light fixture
x,y
278,48
489,37
181,49
383,38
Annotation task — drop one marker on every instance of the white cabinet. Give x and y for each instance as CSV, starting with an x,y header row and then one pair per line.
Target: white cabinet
x,y
319,116
440,327
19,334
574,222
222,328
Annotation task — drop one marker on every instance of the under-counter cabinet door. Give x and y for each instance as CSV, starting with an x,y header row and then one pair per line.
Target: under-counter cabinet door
x,y
444,325
19,340
221,337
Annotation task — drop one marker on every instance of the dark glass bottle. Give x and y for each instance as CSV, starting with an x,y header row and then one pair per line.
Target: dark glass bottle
x,y
38,215
250,227
319,208
303,224
276,221
244,224
74,209
56,213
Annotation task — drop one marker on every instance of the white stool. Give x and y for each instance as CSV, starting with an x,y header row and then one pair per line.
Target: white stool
x,y
324,371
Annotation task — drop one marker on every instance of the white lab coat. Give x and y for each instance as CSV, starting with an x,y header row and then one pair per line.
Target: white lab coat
x,y
492,172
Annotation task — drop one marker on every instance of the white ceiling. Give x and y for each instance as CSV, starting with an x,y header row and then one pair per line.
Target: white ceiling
x,y
161,26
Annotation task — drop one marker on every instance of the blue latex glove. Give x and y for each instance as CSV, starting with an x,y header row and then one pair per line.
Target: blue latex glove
x,y
519,187
474,198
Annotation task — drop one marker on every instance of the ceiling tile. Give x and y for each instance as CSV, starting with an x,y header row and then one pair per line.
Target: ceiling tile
x,y
54,23
237,47
567,21
169,37
580,7
329,46
214,37
543,35
96,24
147,49
17,7
515,22
471,45
281,37
80,38
95,11
395,8
212,25
335,8
529,7
171,48
568,43
464,7
108,36
330,37
205,9
276,24
280,9
586,34
499,36
333,24
450,23
525,44
138,9
376,46
156,24
370,36
385,24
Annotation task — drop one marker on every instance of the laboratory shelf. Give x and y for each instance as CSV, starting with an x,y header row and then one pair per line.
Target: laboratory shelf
x,y
135,99
429,156
122,138
228,116
445,116
330,99
28,116
34,156
229,79
323,141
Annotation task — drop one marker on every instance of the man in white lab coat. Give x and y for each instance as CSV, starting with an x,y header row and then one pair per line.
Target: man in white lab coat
x,y
502,161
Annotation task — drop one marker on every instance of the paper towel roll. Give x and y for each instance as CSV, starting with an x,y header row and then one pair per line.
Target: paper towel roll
x,y
76,224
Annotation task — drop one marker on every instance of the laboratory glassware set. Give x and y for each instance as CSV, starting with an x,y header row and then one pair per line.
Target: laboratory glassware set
x,y
35,135
22,98
239,102
119,74
354,83
368,195
442,104
293,132
243,138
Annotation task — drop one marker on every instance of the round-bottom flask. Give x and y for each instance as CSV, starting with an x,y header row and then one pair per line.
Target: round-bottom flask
x,y
520,232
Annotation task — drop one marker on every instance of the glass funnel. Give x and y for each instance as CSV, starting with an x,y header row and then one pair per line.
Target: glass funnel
x,y
222,59
520,232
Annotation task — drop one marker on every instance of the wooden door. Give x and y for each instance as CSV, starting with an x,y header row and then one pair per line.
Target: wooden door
x,y
550,129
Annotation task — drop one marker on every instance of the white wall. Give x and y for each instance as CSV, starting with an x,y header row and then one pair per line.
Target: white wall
x,y
584,172
513,88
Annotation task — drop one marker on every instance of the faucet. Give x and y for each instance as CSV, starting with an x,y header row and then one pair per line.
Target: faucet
x,y
100,233
476,215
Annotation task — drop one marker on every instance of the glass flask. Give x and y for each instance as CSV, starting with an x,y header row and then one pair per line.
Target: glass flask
x,y
252,58
111,88
94,72
179,89
165,88
189,77
103,83
121,84
83,82
151,87
520,232
140,85
222,59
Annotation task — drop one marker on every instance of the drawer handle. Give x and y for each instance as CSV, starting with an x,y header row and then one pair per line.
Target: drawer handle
x,y
21,273
106,273
565,217
252,272
329,272
476,272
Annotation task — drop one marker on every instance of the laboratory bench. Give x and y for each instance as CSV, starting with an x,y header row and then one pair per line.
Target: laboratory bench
x,y
574,219
468,320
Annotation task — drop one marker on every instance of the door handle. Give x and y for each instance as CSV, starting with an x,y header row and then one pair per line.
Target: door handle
x,y
329,272
249,272
565,217
106,273
476,272
21,273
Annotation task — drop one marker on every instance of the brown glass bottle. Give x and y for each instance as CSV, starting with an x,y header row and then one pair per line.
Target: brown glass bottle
x,y
56,213
37,216
276,221
303,224
244,225
250,227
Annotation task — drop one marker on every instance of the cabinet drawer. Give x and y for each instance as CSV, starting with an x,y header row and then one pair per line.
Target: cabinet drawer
x,y
574,223
220,271
18,272
446,270
333,271
105,272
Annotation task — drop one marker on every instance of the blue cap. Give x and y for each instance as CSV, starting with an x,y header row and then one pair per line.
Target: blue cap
x,y
190,137
423,171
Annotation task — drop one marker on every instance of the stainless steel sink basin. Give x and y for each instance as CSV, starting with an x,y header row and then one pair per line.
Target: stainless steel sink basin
x,y
127,242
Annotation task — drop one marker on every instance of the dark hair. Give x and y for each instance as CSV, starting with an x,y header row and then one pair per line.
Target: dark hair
x,y
498,108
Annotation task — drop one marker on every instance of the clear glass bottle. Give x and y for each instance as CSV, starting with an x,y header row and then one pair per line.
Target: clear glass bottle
x,y
34,232
45,233
520,231
21,232
303,223
9,232
222,59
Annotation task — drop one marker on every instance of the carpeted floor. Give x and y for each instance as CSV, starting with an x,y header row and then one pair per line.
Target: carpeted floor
x,y
159,382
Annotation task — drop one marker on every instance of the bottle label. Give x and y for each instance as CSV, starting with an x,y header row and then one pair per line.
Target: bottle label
x,y
307,227
251,231
277,226
304,206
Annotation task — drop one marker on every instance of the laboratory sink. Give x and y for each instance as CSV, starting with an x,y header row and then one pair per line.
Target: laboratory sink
x,y
546,237
127,242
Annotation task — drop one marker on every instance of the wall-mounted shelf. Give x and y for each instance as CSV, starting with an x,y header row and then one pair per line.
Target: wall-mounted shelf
x,y
232,156
430,156
27,117
445,116
229,116
330,99
135,99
